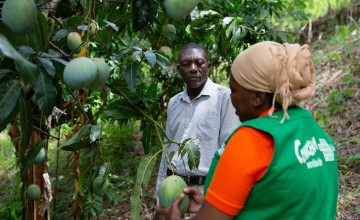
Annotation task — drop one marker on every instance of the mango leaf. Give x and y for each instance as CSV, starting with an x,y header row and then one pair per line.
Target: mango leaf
x,y
60,34
229,30
77,145
38,37
236,33
161,61
26,51
26,68
151,57
48,66
59,65
94,133
112,25
4,72
74,20
9,94
227,20
130,75
116,114
41,29
171,155
26,123
136,53
30,156
83,175
193,154
143,175
123,52
64,62
103,169
80,135
45,92
152,91
183,144
146,137
7,32
11,117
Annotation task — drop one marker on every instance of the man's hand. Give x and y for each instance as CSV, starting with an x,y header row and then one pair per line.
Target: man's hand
x,y
172,212
196,199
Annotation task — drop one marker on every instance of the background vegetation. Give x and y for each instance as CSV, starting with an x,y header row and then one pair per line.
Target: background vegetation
x,y
118,129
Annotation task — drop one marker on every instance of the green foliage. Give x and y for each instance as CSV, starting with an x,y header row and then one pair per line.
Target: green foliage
x,y
193,155
25,67
142,78
144,170
26,123
31,155
9,93
10,205
80,140
111,158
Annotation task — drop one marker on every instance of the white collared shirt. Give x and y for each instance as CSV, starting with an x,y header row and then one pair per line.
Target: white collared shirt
x,y
208,119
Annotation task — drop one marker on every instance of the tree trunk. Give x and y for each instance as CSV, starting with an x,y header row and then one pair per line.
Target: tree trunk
x,y
30,209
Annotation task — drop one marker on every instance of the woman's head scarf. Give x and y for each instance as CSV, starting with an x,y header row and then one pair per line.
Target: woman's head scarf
x,y
283,69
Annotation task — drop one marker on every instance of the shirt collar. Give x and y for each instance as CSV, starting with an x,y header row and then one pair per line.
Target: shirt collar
x,y
206,91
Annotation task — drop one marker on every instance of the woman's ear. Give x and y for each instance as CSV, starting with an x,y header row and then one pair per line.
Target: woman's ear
x,y
260,98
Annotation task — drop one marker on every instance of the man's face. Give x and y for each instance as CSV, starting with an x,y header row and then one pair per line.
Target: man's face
x,y
193,67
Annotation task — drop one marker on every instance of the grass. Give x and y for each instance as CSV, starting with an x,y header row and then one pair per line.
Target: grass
x,y
10,205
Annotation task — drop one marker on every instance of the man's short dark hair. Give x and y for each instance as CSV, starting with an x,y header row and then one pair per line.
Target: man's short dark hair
x,y
195,46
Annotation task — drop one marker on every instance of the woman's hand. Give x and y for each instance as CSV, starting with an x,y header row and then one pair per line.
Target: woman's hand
x,y
196,199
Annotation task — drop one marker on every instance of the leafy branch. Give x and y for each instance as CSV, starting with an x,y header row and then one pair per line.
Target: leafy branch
x,y
157,125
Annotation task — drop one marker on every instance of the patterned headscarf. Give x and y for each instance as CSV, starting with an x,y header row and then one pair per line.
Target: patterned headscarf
x,y
283,69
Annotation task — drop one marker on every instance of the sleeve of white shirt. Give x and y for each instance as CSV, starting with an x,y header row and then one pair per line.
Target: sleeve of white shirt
x,y
161,175
230,121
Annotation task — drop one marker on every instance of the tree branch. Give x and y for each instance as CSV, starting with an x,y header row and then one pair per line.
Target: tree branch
x,y
65,55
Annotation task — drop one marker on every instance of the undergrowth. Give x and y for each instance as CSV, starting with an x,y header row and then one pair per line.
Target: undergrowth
x,y
336,107
10,202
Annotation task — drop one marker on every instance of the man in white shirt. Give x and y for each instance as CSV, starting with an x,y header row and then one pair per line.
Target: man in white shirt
x,y
202,112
